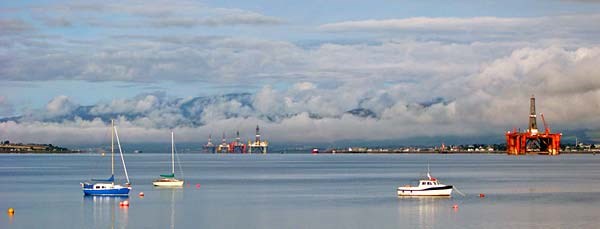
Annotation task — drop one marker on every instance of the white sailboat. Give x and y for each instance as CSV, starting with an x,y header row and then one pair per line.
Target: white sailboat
x,y
169,180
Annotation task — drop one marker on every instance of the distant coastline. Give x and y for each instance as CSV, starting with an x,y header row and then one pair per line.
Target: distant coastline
x,y
445,152
392,151
455,149
29,148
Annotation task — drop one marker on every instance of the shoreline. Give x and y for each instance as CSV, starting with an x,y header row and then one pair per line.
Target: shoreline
x,y
447,152
329,152
41,152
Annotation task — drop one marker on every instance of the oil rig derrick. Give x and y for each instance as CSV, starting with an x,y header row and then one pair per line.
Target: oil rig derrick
x,y
257,146
532,141
237,146
223,147
210,147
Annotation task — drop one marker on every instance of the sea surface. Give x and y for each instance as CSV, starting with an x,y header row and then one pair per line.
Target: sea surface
x,y
305,191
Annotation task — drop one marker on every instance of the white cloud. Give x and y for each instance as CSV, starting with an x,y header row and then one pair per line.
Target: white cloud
x,y
433,24
140,104
267,101
60,105
146,14
549,26
565,82
224,17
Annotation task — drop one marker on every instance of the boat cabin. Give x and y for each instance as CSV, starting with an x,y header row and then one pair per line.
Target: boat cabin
x,y
428,182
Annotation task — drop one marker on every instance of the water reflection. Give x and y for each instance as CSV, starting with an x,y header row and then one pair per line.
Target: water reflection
x,y
105,210
170,195
421,212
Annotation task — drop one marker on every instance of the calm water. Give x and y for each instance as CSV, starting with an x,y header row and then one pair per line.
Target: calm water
x,y
305,191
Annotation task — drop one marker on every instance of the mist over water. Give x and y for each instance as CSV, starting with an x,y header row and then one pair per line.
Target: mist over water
x,y
304,191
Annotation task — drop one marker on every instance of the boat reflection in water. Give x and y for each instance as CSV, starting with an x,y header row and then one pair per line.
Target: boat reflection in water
x,y
170,195
422,211
105,210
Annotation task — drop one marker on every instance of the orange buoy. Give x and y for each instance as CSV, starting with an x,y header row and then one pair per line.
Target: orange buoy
x,y
11,211
124,204
141,194
455,206
481,195
197,185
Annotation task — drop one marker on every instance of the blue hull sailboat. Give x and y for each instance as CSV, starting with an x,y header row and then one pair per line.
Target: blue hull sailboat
x,y
107,187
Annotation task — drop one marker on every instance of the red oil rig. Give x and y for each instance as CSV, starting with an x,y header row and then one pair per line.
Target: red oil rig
x,y
532,141
237,146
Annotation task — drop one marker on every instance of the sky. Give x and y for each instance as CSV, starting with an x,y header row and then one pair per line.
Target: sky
x,y
305,71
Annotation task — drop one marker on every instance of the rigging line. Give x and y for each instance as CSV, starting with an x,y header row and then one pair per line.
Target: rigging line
x,y
178,161
121,152
459,192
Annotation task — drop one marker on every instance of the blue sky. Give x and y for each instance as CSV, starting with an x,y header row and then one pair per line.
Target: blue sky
x,y
306,64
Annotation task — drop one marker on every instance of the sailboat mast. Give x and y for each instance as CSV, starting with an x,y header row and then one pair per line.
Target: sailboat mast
x,y
172,153
112,147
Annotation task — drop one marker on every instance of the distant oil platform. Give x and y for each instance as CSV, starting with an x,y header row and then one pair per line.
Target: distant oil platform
x,y
532,141
237,145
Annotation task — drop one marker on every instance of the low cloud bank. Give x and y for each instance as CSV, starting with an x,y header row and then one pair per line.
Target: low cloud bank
x,y
491,100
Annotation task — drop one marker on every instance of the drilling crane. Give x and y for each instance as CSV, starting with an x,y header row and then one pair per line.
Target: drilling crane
x,y
546,128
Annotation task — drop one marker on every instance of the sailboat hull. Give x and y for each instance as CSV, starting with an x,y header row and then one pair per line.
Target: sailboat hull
x,y
168,183
105,190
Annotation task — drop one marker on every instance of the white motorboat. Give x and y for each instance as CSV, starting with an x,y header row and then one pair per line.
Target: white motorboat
x,y
426,187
